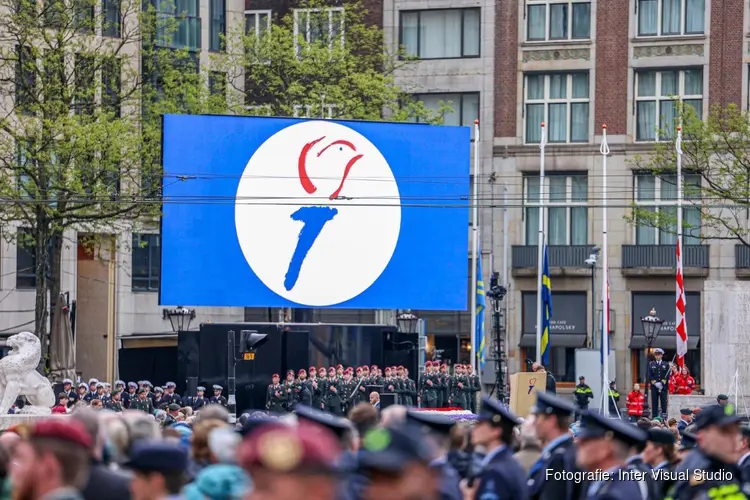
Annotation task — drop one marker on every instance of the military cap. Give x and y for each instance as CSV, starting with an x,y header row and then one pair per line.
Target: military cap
x,y
100,386
158,389
495,412
337,425
428,363
400,368
173,407
83,384
133,385
322,368
119,383
290,371
170,385
717,415
387,368
660,436
365,367
686,411
349,370
141,382
312,369
359,369
374,367
431,422
659,350
688,442
93,381
301,371
339,367
158,456
597,426
722,397
107,385
67,381
141,390
147,383
117,391
332,369
200,388
68,430
391,449
548,404
305,448
217,387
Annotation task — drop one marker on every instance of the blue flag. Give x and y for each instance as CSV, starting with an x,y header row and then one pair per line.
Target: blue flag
x,y
546,309
479,334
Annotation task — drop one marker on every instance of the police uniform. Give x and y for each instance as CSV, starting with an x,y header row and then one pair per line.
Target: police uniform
x,y
658,375
501,477
439,426
582,394
720,481
219,400
615,485
199,401
559,455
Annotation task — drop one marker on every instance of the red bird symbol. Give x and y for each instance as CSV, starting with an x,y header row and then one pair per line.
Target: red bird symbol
x,y
304,179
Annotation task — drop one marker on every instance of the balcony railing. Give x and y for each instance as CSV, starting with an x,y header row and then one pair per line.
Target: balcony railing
x,y
562,256
694,257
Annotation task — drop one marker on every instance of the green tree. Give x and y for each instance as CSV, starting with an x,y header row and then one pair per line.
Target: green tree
x,y
85,84
320,62
715,151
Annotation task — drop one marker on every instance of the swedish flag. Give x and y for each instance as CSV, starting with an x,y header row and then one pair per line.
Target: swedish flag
x,y
546,309
479,334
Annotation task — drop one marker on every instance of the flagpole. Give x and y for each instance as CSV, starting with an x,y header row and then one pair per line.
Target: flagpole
x,y
604,149
679,315
475,250
540,257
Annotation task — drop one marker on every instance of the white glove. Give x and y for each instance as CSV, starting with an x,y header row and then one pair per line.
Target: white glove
x,y
659,385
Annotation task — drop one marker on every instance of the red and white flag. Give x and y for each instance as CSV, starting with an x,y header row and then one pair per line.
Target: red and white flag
x,y
681,329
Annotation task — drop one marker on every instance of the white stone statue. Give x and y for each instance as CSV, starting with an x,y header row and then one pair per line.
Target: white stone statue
x,y
18,376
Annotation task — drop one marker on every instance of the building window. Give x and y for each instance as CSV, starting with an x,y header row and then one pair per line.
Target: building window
x,y
218,26
25,259
555,20
566,209
217,87
441,34
658,194
319,26
85,87
671,17
84,15
465,107
562,362
657,93
111,18
25,78
146,255
111,85
310,111
561,101
257,21
185,31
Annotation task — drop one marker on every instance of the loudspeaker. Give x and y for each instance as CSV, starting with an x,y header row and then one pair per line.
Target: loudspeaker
x,y
387,399
296,350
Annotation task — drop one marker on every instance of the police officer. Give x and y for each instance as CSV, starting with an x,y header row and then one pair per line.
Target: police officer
x,y
199,401
217,398
70,392
658,376
582,394
552,419
170,397
501,476
438,428
604,445
718,432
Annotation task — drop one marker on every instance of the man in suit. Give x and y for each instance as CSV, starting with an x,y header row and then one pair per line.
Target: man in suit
x,y
375,399
744,451
658,376
686,418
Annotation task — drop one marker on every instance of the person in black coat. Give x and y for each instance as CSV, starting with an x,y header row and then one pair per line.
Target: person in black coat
x,y
501,477
658,376
550,384
744,450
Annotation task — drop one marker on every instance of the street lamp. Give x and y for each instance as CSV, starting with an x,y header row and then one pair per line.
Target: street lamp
x,y
407,321
179,317
651,327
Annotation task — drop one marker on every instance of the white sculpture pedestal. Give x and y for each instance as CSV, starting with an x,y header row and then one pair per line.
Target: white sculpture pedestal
x,y
18,377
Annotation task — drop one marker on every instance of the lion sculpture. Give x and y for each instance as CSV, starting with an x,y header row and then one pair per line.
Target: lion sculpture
x,y
18,376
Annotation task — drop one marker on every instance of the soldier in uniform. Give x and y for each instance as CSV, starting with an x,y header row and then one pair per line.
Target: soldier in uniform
x,y
347,391
170,396
658,376
173,411
276,397
316,386
340,371
717,432
459,388
150,394
199,401
442,384
142,402
412,385
362,389
92,392
475,388
582,395
686,418
115,403
404,391
217,398
83,391
70,392
428,391
375,379
302,394
501,476
106,392
129,396
552,419
603,447
333,399
119,386
660,455
158,399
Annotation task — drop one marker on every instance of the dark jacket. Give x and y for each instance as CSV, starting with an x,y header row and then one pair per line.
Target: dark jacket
x,y
105,483
551,385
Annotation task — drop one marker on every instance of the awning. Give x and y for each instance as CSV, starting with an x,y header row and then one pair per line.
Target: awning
x,y
147,340
556,340
662,341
